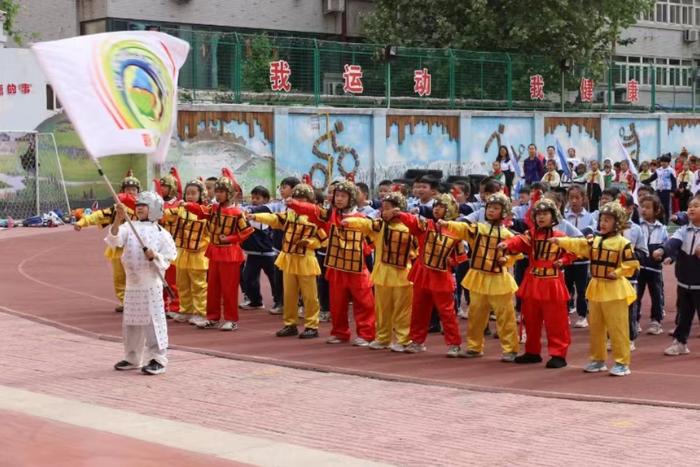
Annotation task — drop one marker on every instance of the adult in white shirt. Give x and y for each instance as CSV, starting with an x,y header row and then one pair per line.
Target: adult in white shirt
x,y
507,166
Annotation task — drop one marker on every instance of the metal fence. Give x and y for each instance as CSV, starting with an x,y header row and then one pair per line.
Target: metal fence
x,y
229,67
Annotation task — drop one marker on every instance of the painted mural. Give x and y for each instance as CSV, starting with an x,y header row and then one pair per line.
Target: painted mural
x,y
489,133
581,133
639,136
683,133
208,141
418,142
83,184
327,147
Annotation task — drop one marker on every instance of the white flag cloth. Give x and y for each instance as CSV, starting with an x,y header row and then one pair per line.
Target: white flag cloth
x,y
119,89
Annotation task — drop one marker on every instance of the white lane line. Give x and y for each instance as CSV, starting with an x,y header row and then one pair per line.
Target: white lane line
x,y
20,269
187,436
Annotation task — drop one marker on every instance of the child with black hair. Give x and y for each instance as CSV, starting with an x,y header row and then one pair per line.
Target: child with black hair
x,y
684,248
425,188
665,179
209,194
651,274
276,206
635,235
383,189
260,254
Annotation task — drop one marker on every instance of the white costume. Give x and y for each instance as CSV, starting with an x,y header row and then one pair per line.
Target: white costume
x,y
144,320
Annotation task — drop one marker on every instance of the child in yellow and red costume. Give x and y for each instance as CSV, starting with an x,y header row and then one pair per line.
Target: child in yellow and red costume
x,y
227,229
543,292
346,271
130,188
297,260
490,285
191,239
609,293
439,250
393,292
169,187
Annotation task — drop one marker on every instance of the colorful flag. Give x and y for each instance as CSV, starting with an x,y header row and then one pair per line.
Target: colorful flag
x,y
562,160
119,89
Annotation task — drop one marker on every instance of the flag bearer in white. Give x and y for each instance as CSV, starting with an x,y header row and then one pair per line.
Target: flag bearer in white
x,y
144,325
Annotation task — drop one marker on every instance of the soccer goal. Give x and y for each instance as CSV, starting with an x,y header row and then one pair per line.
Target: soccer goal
x,y
31,176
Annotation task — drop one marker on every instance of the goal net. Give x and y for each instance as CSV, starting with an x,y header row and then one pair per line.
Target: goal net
x,y
31,176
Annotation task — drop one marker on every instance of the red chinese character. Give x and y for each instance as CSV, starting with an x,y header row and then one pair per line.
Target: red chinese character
x,y
2,90
536,87
586,90
11,89
353,79
422,82
25,88
279,76
632,91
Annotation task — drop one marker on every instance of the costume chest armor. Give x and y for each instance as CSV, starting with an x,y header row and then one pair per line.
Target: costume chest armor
x,y
189,232
396,246
344,250
438,249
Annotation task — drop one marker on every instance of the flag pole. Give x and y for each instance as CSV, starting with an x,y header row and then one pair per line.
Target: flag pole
x,y
131,225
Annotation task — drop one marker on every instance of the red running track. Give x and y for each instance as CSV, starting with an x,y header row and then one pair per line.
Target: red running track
x,y
60,276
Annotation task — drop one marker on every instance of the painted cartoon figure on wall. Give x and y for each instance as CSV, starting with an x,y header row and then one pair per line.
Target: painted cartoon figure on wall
x,y
631,141
513,133
336,158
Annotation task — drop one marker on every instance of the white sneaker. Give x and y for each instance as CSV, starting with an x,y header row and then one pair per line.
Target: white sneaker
x,y
463,314
581,323
171,314
360,342
396,347
276,310
453,351
632,346
376,345
182,317
248,306
639,328
655,328
228,326
196,319
335,340
572,310
414,347
677,348
324,316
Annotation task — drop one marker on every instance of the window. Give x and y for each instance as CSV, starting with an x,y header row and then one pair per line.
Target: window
x,y
667,72
93,27
52,102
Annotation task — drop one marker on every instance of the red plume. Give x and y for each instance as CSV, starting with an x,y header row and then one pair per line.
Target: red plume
x,y
455,191
351,177
623,201
159,188
176,175
306,178
226,172
396,188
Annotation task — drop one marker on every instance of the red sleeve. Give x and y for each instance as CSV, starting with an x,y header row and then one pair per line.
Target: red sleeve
x,y
308,209
411,221
198,210
518,244
127,200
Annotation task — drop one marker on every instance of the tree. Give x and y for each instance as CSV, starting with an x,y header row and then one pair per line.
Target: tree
x,y
11,8
583,30
256,67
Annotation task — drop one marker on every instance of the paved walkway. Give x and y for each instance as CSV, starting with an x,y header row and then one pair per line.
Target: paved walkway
x,y
269,415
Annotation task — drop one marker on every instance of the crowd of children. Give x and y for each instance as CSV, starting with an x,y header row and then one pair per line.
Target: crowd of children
x,y
421,255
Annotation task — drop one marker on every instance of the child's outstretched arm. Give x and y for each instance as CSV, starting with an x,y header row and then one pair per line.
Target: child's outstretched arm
x,y
579,246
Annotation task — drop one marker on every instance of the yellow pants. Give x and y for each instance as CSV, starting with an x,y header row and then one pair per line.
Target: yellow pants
x,y
192,290
293,284
118,278
479,307
392,307
609,319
